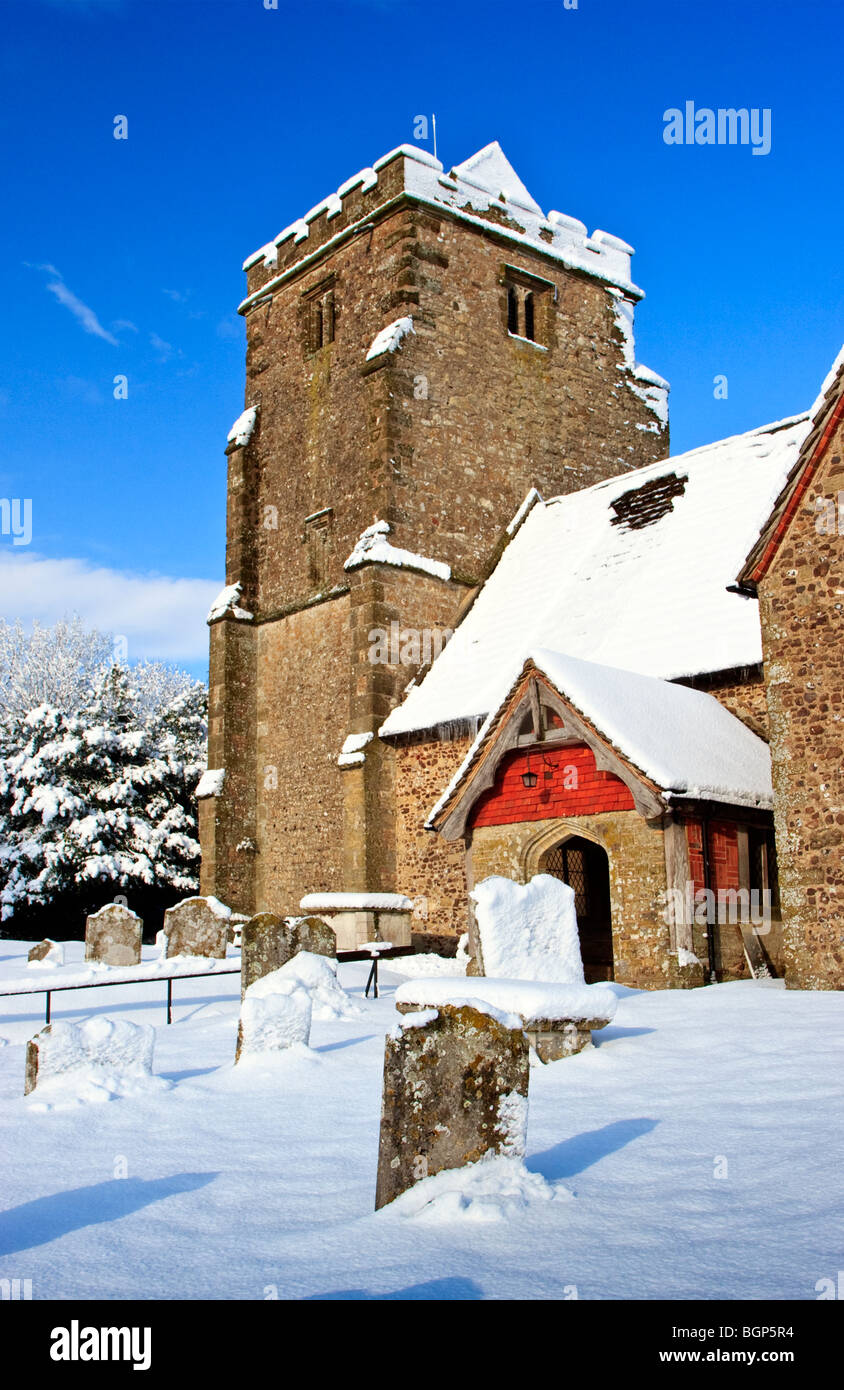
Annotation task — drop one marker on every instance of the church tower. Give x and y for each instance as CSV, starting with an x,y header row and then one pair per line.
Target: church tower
x,y
423,347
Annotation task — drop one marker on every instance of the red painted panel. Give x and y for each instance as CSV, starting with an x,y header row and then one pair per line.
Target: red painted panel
x,y
568,784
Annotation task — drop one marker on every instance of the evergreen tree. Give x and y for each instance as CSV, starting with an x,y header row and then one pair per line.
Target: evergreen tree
x,y
99,801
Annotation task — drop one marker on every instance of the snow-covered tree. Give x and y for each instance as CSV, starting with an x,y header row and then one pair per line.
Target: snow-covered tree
x,y
98,799
57,666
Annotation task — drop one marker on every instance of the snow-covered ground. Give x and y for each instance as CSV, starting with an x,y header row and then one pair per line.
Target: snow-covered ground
x,y
699,1140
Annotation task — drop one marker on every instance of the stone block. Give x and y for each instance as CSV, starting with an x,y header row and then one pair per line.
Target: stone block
x,y
113,935
558,1019
194,928
455,1088
360,917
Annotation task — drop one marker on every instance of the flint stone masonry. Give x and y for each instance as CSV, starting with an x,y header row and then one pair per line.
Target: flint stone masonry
x,y
113,935
802,638
193,928
269,942
430,868
455,1088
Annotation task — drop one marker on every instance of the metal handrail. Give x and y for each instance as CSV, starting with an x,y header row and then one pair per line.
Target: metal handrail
x,y
50,989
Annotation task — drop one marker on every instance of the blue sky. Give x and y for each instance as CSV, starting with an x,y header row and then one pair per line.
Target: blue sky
x,y
124,257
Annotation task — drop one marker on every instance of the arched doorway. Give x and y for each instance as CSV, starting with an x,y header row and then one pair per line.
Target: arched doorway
x,y
584,866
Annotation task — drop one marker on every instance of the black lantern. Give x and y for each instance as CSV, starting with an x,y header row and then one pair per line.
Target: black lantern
x,y
529,778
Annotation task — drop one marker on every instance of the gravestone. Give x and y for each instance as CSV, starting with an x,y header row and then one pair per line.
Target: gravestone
x,y
46,950
194,928
113,935
268,942
275,1014
316,936
110,1046
455,1088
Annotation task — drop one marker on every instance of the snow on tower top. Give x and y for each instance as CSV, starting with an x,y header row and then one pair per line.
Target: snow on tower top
x,y
484,188
490,169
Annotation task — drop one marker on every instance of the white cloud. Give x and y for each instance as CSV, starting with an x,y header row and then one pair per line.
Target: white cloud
x,y
81,311
162,618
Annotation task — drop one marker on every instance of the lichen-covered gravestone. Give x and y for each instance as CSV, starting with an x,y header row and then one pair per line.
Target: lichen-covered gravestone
x,y
113,935
268,942
316,936
197,927
455,1088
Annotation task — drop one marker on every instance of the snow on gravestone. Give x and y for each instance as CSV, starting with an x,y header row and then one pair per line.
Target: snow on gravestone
x,y
113,935
528,931
197,927
268,942
455,1088
274,1015
110,1047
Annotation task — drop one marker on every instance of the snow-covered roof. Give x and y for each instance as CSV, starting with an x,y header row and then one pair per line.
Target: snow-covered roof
x,y
682,740
470,190
632,573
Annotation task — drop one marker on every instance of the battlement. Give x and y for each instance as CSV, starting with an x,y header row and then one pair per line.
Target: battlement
x,y
484,191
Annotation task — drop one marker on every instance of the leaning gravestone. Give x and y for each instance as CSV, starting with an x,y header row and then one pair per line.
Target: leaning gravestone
x,y
268,942
46,950
194,928
455,1088
113,935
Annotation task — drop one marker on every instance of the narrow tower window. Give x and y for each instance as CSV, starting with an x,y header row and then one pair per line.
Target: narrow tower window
x,y
318,537
512,309
320,315
529,305
529,333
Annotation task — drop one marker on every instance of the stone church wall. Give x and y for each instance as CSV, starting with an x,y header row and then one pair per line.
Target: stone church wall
x,y
801,601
